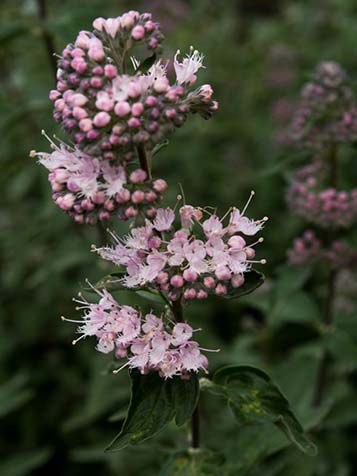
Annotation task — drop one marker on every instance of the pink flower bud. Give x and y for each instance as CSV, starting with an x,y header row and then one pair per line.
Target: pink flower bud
x,y
96,82
161,85
78,218
79,113
223,273
98,23
54,94
150,101
110,71
67,201
78,99
221,289
189,293
150,196
236,241
131,212
237,280
122,196
153,43
138,176
95,53
250,253
162,277
160,185
98,198
97,70
138,33
190,275
154,242
101,119
170,113
103,215
104,103
209,282
126,21
137,108
134,90
122,108
138,196
59,104
92,134
177,281
109,205
149,26
134,122
201,294
85,125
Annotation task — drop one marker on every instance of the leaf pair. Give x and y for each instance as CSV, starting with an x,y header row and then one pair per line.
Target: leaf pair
x,y
154,403
254,398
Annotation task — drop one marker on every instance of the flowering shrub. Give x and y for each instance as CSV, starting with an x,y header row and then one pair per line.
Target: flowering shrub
x,y
118,111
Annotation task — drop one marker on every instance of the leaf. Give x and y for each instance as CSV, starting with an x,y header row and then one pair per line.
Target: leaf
x,y
111,282
253,280
185,394
200,462
254,398
159,146
146,64
297,307
154,403
14,394
24,463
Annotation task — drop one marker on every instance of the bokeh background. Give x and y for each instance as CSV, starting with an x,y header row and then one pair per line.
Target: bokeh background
x,y
59,406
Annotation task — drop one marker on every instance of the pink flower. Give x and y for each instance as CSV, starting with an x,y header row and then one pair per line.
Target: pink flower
x,y
186,71
164,219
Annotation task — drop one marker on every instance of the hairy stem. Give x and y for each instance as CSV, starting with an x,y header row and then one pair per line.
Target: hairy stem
x,y
321,377
195,419
47,37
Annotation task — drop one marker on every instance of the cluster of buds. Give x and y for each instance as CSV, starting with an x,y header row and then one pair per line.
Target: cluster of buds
x,y
305,249
327,114
91,188
189,261
326,207
112,117
309,249
148,343
106,110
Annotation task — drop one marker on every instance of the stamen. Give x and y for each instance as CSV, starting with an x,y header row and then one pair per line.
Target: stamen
x,y
252,193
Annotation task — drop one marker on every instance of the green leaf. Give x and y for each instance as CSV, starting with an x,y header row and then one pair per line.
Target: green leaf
x,y
296,307
146,64
254,398
14,394
253,280
185,394
24,463
154,403
111,282
159,146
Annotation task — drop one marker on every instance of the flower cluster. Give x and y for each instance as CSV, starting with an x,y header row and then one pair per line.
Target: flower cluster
x,y
309,248
326,207
305,249
149,343
102,108
198,257
91,188
327,114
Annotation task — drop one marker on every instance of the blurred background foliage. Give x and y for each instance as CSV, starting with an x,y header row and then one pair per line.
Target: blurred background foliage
x,y
59,406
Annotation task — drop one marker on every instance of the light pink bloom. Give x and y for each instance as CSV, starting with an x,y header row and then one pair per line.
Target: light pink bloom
x,y
164,219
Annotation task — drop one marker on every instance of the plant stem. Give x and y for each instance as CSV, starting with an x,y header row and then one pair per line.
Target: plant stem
x,y
145,160
195,428
321,377
177,310
47,36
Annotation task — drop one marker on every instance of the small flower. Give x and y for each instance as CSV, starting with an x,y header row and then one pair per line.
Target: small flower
x,y
186,71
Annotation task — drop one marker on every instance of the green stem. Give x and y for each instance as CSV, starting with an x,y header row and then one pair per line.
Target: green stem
x,y
322,371
145,160
177,311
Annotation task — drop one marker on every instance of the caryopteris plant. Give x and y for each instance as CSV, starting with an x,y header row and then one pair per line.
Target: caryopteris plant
x,y
117,110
